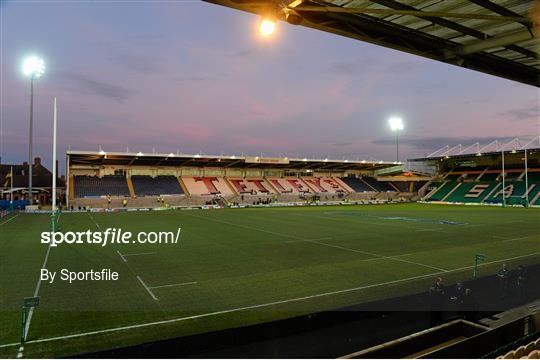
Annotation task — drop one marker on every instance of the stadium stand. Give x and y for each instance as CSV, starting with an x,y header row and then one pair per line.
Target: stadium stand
x,y
357,184
382,186
160,185
230,181
489,189
90,186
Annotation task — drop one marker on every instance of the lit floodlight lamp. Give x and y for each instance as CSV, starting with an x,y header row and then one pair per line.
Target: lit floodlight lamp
x,y
396,123
102,152
267,26
170,155
33,67
140,154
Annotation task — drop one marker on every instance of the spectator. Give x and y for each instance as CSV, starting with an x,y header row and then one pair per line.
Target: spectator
x,y
503,276
436,301
468,306
521,282
458,293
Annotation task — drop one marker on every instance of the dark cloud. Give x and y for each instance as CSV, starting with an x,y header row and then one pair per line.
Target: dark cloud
x,y
426,88
532,112
345,143
87,85
137,63
190,78
403,67
368,64
241,53
350,67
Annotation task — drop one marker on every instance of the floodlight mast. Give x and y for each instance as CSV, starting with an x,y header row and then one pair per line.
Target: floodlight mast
x,y
396,124
33,67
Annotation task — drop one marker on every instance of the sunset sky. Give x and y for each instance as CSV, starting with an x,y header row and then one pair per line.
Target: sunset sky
x,y
190,76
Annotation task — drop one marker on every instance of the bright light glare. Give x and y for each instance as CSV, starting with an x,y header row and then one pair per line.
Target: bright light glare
x,y
33,66
396,123
267,27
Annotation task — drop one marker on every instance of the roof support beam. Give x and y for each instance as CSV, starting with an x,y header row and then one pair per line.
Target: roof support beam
x,y
418,13
452,25
497,41
498,9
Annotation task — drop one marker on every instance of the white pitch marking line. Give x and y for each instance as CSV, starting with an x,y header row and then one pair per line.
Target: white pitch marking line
x,y
147,289
121,255
172,285
244,226
169,321
145,253
381,256
36,293
91,217
514,239
304,240
11,218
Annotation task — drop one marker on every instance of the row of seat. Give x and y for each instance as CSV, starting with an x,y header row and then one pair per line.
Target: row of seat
x,y
144,185
514,191
529,351
88,186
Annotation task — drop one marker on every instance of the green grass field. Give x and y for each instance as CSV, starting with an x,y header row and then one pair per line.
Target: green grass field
x,y
241,266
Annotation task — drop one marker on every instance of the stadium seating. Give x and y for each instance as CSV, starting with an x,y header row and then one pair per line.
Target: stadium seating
x,y
252,186
486,187
357,184
443,190
382,186
207,186
89,186
402,186
324,185
160,185
527,351
290,185
471,192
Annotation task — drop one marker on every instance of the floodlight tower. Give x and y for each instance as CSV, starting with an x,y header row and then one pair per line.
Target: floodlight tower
x,y
396,125
33,67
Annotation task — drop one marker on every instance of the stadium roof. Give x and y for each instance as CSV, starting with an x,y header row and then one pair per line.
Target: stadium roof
x,y
483,35
469,156
229,161
496,147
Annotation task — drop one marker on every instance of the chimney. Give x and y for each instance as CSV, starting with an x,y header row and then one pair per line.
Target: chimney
x,y
37,161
